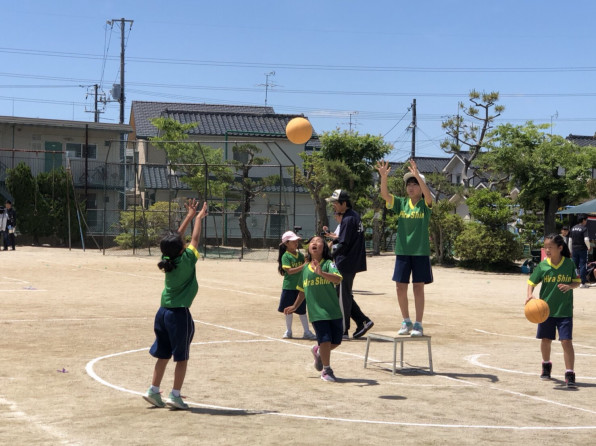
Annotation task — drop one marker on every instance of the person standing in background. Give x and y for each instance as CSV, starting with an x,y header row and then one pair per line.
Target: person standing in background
x,y
350,257
580,245
11,223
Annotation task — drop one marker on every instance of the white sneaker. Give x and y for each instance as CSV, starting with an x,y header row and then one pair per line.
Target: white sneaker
x,y
309,335
287,335
406,328
584,285
417,330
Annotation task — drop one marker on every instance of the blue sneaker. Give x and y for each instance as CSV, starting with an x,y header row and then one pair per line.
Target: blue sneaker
x,y
176,402
154,398
406,328
417,330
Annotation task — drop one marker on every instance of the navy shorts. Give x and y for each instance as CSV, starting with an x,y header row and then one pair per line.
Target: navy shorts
x,y
287,299
174,330
416,266
329,331
548,328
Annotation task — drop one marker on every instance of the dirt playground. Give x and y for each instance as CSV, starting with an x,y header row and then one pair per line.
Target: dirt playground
x,y
76,328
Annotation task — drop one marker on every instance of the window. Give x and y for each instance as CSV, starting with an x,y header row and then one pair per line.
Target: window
x,y
75,150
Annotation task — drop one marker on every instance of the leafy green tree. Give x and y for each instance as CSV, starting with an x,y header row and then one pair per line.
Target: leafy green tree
x,y
144,227
470,130
490,208
346,161
488,243
250,187
480,247
359,153
546,168
202,167
42,203
445,226
313,178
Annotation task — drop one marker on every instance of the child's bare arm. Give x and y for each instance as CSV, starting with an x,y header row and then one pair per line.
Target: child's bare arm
x,y
191,208
529,294
196,231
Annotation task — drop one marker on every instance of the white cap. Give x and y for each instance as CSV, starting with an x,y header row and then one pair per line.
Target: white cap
x,y
289,236
409,175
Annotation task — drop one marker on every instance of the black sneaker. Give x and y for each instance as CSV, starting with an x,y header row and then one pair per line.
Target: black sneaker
x,y
570,379
361,331
546,369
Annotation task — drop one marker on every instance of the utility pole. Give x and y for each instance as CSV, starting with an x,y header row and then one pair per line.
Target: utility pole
x,y
413,125
121,98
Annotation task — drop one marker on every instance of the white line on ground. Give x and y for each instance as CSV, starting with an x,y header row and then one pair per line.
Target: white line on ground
x,y
90,371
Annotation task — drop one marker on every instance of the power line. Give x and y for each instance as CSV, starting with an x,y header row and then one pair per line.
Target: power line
x,y
239,64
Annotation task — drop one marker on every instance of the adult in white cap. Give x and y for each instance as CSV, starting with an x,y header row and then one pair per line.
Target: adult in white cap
x,y
349,256
412,244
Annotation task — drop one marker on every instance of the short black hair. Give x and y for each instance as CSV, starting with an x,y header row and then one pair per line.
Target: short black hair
x,y
582,217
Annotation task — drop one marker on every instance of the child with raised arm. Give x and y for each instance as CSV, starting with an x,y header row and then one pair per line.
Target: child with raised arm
x,y
412,244
317,286
174,327
290,263
559,277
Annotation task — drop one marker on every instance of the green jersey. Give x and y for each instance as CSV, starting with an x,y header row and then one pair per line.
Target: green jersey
x,y
181,283
322,302
412,226
559,303
289,260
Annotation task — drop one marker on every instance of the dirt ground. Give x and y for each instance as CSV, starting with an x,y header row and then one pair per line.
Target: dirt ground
x,y
76,327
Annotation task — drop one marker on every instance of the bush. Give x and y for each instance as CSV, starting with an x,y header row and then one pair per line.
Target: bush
x,y
482,248
145,227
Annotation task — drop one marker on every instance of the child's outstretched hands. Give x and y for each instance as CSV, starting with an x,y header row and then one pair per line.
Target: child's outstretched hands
x,y
414,169
383,168
191,206
203,212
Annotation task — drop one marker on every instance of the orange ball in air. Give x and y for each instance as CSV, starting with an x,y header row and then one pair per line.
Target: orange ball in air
x,y
299,130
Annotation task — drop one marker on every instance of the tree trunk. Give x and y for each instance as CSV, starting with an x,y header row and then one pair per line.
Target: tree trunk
x,y
551,205
377,234
246,237
321,205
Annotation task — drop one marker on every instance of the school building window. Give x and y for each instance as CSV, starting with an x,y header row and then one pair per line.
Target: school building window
x,y
75,150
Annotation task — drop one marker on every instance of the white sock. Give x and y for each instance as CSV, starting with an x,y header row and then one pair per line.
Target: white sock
x,y
304,320
155,389
289,322
176,393
407,319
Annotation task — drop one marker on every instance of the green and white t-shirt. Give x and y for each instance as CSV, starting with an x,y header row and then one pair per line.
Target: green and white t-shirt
x,y
559,303
181,285
412,226
322,302
289,260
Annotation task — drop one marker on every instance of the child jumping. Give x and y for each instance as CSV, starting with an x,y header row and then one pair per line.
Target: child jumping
x,y
316,285
174,327
290,263
558,276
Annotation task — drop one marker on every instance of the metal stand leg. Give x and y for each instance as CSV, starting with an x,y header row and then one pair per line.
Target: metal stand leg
x,y
366,353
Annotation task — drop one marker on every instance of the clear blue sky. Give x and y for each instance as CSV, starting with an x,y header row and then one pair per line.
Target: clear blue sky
x,y
335,61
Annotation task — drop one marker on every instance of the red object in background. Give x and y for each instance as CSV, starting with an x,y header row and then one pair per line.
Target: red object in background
x,y
542,254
